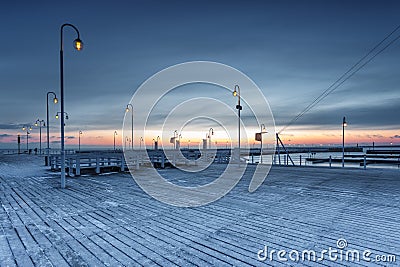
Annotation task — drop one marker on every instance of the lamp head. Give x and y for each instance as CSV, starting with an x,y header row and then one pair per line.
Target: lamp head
x,y
30,128
55,100
66,117
235,93
344,124
36,124
78,44
23,128
44,124
263,127
57,116
127,109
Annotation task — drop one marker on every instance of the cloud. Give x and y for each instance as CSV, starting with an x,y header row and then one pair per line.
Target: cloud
x,y
395,136
10,126
5,135
370,115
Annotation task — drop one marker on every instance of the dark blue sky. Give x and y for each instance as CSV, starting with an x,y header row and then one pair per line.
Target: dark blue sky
x,y
293,50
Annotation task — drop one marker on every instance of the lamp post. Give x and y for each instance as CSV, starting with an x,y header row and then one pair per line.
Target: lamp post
x,y
115,133
27,129
175,136
79,141
344,124
236,92
154,143
78,46
188,144
19,143
140,143
127,139
55,101
129,107
262,131
157,139
40,123
58,116
178,146
210,132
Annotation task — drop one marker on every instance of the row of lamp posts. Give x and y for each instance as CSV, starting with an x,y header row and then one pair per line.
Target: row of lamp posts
x,y
78,46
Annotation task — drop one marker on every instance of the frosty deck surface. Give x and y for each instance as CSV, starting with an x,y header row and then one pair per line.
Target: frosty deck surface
x,y
109,220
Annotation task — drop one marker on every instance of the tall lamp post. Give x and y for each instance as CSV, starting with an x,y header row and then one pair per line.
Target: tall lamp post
x,y
178,145
210,132
115,133
40,123
236,93
78,46
129,107
157,142
79,141
262,131
27,129
55,101
344,124
140,143
175,136
127,139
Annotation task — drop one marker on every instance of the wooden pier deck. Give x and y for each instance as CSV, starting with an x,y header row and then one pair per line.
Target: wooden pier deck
x,y
109,221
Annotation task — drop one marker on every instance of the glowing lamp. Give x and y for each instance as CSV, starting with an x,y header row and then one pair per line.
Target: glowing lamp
x,y
78,44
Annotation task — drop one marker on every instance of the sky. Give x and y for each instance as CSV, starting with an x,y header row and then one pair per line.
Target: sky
x,y
292,50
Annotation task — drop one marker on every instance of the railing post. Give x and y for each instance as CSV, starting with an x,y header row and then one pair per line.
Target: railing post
x,y
57,165
162,161
137,162
365,162
97,165
70,163
300,160
52,162
122,163
78,166
330,161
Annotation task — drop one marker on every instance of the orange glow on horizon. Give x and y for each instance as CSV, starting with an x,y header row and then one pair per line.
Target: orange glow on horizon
x,y
105,138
